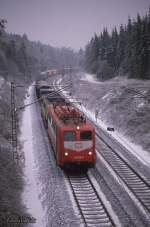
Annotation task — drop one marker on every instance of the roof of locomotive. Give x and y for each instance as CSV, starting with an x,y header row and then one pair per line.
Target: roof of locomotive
x,y
68,116
53,97
42,83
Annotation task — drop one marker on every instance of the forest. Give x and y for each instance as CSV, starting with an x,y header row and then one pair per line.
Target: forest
x,y
21,61
124,52
22,58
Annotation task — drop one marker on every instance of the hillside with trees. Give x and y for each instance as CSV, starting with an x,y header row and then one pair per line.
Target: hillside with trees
x,y
21,58
124,52
21,61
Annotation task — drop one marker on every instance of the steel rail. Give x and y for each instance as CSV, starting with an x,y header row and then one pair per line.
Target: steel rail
x,y
134,181
91,207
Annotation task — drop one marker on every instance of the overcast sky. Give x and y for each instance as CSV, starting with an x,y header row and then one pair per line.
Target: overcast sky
x,y
69,23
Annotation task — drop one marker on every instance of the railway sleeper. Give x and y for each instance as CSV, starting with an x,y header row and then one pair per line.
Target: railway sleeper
x,y
93,212
87,197
129,174
100,225
83,194
96,216
140,188
79,180
146,197
84,190
80,183
134,179
146,201
95,209
81,187
91,206
97,221
90,203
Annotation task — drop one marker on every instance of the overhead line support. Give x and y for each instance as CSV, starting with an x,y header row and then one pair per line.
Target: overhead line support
x,y
14,124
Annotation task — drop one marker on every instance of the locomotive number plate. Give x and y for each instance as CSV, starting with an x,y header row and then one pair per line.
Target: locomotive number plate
x,y
78,157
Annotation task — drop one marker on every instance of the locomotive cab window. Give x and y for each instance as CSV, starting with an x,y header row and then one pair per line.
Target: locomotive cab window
x,y
86,135
69,136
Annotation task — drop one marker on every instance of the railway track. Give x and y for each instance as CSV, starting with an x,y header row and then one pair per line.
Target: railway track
x,y
92,209
134,181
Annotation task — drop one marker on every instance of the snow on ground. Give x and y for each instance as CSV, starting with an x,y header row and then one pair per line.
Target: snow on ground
x,y
137,150
141,154
90,77
141,104
32,189
2,81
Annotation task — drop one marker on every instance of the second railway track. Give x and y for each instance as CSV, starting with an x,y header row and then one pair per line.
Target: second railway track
x,y
92,209
134,181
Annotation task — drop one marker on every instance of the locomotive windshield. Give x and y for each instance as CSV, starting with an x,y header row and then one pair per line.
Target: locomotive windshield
x,y
69,136
86,135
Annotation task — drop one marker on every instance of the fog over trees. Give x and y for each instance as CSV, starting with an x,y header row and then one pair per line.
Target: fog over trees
x,y
123,52
21,58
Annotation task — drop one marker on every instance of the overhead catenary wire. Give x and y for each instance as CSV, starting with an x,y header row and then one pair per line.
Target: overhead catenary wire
x,y
52,94
138,93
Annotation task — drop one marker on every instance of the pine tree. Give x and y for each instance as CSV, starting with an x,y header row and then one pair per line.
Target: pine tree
x,y
144,63
2,25
128,49
121,48
92,55
113,54
126,52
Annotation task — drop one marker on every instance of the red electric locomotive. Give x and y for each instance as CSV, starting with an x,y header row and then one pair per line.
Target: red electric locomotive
x,y
72,136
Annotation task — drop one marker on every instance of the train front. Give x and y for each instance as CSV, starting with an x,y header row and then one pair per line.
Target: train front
x,y
78,146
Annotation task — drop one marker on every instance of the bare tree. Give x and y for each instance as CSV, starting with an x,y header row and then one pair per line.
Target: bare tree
x,y
2,25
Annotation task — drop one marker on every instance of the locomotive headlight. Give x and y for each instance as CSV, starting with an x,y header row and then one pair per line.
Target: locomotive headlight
x,y
66,153
78,127
90,153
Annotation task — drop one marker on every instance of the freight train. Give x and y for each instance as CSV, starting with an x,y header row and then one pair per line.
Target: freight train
x,y
42,88
71,135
